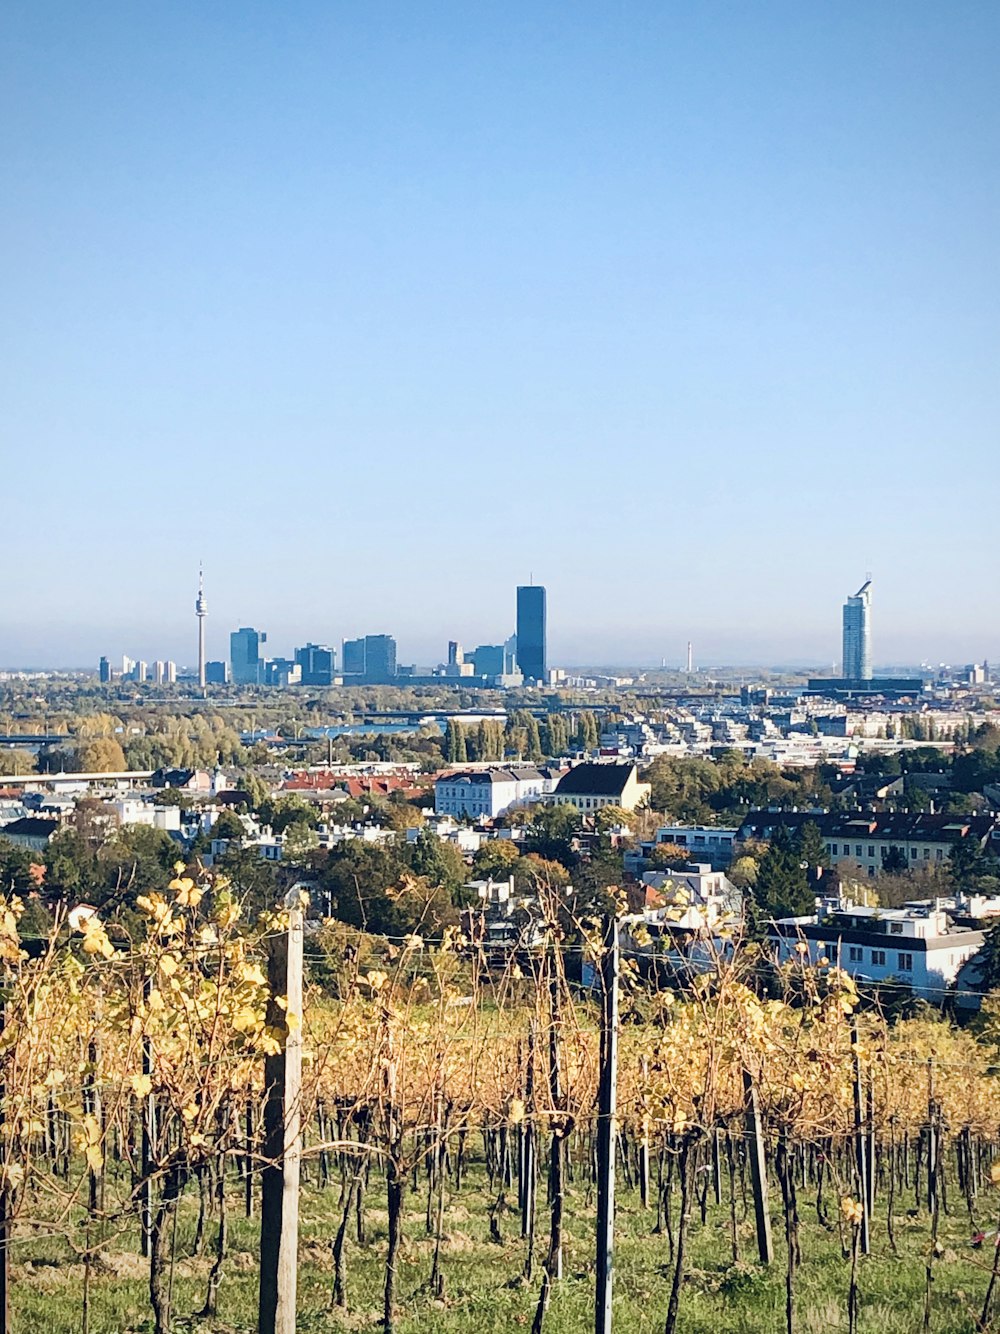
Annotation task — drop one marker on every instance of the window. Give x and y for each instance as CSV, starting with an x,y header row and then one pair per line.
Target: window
x,y
855,953
913,852
871,849
878,958
939,855
906,963
857,850
927,854
896,928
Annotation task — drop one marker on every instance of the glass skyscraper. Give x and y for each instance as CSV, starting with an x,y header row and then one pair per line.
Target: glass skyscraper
x,y
531,632
244,655
858,635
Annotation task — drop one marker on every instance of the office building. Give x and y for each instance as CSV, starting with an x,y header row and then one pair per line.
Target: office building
x,y
317,663
372,659
170,673
380,659
857,635
531,632
488,660
106,672
216,673
244,654
281,672
354,657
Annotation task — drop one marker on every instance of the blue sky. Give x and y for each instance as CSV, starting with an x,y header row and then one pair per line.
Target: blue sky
x,y
690,309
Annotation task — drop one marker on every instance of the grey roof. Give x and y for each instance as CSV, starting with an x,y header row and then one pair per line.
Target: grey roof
x,y
30,826
595,780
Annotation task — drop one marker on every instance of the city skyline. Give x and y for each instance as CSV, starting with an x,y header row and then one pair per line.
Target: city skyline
x,y
356,272
855,630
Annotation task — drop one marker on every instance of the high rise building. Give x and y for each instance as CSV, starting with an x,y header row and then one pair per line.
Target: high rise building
x,y
489,660
858,635
456,655
170,673
217,673
244,654
380,659
531,632
317,663
354,657
201,611
159,672
106,672
373,658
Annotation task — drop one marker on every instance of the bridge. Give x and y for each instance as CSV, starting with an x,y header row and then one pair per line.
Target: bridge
x,y
33,738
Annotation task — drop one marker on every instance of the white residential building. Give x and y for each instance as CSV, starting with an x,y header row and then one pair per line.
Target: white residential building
x,y
486,793
917,945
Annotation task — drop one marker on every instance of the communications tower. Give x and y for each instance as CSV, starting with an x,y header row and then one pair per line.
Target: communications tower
x,y
201,611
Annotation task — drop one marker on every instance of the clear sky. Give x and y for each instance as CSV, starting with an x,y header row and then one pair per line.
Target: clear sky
x,y
690,309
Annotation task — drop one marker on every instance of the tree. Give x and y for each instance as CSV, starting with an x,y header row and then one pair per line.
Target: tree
x,y
532,873
812,849
894,861
587,734
228,826
455,749
102,755
495,859
743,872
782,888
668,856
610,817
438,862
16,762
299,838
280,812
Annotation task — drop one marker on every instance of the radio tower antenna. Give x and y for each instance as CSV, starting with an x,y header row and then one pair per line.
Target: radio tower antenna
x,y
201,611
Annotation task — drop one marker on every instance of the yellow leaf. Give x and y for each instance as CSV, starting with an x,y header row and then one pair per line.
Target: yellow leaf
x,y
142,1085
516,1110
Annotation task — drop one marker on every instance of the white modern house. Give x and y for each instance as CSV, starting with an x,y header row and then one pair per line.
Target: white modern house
x,y
918,945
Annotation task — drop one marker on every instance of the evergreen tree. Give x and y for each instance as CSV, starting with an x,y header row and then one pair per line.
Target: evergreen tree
x,y
812,849
455,750
782,888
533,750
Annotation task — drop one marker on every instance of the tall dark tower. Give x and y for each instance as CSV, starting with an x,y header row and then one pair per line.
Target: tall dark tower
x,y
531,632
201,611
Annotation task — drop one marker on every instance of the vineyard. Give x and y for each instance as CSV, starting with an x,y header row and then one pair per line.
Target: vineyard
x,y
430,1131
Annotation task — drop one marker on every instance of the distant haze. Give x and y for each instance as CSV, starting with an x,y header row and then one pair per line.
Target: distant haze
x,y
690,310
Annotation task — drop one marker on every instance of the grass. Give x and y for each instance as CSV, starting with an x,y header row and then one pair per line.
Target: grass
x,y
483,1286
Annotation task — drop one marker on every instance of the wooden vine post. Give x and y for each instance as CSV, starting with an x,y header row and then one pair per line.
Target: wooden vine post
x,y
862,1160
758,1170
5,1205
607,1127
279,1208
